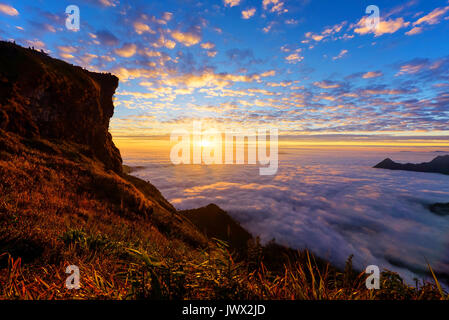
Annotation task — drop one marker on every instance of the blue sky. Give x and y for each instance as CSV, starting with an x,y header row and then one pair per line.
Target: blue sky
x,y
306,67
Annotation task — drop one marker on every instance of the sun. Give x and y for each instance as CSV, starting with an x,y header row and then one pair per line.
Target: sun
x,y
206,143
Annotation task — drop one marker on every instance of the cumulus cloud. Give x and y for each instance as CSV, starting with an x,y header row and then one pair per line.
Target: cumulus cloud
x,y
276,6
231,3
246,14
127,50
186,38
8,10
327,32
140,28
208,45
294,58
66,52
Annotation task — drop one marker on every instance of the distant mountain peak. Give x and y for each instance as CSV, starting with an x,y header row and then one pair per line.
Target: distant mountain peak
x,y
438,165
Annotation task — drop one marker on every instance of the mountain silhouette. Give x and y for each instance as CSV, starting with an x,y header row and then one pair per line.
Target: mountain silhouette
x,y
438,165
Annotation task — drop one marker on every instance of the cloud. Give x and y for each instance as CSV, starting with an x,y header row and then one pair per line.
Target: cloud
x,y
269,27
326,84
384,26
327,32
276,6
342,53
107,38
334,209
208,78
87,58
127,50
8,10
291,21
212,53
372,74
186,38
270,73
105,3
415,30
412,67
141,28
208,45
246,14
66,51
231,3
294,58
433,17
167,16
36,43
39,27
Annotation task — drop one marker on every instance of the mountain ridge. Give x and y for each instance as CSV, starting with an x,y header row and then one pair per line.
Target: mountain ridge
x,y
440,164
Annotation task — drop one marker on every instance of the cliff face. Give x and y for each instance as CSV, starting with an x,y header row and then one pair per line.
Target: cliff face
x,y
51,99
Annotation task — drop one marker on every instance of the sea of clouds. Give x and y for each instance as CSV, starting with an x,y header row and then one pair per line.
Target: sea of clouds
x,y
328,200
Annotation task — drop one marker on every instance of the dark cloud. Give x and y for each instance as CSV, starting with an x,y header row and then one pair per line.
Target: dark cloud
x,y
107,38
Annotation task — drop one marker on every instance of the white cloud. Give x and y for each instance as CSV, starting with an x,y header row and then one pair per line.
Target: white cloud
x,y
276,6
334,209
294,58
415,30
246,14
231,3
186,38
8,10
127,50
340,55
372,74
141,28
433,17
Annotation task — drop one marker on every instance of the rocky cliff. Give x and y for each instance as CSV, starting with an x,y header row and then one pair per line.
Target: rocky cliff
x,y
51,99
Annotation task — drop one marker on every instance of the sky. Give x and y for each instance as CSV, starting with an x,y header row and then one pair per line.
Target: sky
x,y
312,69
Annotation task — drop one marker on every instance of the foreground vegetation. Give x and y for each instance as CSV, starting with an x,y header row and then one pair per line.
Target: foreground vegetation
x,y
60,207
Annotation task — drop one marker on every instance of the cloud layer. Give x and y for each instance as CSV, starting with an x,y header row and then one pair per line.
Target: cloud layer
x,y
330,201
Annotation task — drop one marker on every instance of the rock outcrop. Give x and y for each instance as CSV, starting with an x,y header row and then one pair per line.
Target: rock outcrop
x,y
49,98
438,165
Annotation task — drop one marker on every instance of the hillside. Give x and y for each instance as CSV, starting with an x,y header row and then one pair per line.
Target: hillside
x,y
65,200
216,223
